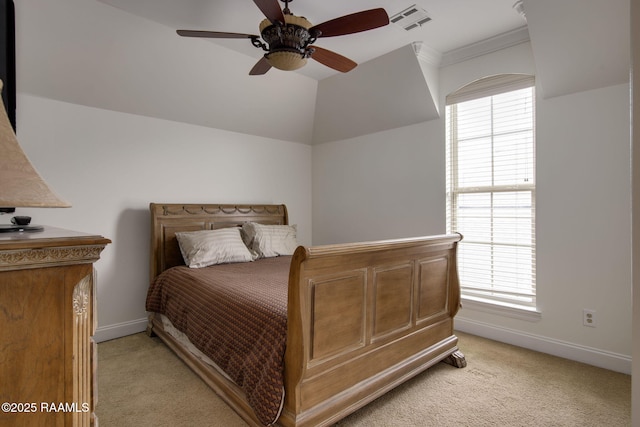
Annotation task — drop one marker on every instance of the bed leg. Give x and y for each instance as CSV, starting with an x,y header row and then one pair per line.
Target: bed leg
x,y
456,359
149,331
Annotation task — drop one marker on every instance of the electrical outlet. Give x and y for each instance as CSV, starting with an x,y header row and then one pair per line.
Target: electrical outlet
x,y
589,317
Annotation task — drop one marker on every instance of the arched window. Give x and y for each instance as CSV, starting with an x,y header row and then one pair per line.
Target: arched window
x,y
491,185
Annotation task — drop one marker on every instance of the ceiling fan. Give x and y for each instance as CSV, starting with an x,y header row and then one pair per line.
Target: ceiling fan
x,y
289,38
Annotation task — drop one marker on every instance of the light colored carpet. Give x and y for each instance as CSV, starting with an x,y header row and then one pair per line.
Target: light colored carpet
x,y
142,383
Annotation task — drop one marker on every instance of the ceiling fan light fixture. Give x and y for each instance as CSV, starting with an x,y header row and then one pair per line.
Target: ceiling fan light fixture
x,y
286,60
287,43
294,34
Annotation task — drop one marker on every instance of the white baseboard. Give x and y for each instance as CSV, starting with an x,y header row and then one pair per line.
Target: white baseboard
x,y
119,330
591,356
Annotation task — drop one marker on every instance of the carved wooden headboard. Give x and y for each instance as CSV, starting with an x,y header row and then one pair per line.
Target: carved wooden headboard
x,y
168,218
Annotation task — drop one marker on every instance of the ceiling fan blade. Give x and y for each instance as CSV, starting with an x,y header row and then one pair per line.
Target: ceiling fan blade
x,y
260,68
214,34
354,23
271,9
332,59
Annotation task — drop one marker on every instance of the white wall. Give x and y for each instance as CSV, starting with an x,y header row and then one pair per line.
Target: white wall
x,y
385,185
98,90
111,165
583,233
583,220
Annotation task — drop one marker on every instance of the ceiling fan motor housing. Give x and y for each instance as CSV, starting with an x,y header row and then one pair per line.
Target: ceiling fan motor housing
x,y
288,43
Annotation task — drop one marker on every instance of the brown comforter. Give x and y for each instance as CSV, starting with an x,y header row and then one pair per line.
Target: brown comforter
x,y
237,315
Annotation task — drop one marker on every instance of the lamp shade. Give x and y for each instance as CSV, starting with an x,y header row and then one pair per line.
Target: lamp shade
x,y
20,183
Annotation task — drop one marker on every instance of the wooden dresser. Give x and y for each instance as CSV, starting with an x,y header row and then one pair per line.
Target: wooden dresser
x,y
47,320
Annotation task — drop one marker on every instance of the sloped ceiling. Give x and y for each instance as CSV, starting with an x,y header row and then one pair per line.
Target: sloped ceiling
x,y
385,93
579,44
88,53
128,58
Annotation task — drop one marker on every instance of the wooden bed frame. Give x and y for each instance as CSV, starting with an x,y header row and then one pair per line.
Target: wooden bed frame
x,y
362,318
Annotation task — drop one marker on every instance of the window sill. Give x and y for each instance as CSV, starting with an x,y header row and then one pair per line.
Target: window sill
x,y
530,314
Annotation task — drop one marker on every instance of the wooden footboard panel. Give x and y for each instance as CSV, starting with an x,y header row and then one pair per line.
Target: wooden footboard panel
x,y
364,318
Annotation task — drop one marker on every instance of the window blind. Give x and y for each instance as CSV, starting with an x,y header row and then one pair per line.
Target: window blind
x,y
490,127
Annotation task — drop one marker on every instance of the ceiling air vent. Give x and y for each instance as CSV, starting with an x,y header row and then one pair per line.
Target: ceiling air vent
x,y
411,18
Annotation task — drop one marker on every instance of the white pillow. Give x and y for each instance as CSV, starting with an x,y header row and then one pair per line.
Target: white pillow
x,y
209,247
268,241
